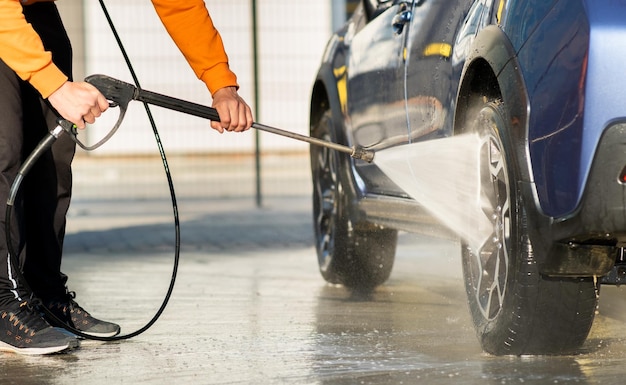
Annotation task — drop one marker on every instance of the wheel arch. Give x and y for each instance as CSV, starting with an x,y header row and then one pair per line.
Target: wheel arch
x,y
324,96
479,82
319,103
492,71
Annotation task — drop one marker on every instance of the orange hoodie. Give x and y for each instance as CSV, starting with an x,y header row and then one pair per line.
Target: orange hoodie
x,y
187,21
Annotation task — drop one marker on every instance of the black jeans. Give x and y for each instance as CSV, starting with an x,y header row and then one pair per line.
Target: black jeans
x,y
38,219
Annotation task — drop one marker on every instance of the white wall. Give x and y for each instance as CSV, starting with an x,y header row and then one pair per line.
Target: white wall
x,y
292,36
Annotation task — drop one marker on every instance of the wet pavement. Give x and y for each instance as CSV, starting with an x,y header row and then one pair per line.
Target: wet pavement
x,y
250,307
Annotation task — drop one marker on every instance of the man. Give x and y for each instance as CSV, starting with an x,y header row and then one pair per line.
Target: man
x,y
35,73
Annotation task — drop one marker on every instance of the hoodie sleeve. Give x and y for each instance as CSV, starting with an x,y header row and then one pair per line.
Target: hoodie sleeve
x,y
190,26
22,50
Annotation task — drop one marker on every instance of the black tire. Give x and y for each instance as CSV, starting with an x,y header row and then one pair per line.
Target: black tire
x,y
357,255
515,309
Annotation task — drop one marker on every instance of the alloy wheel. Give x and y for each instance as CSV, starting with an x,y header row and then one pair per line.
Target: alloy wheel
x,y
326,204
489,265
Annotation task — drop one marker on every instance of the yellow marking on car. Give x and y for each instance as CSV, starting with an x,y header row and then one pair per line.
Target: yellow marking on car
x,y
438,49
339,71
342,86
500,10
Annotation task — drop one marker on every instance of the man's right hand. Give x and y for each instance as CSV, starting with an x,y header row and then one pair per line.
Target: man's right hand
x,y
78,102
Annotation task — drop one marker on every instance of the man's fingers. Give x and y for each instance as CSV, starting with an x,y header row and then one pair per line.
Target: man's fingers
x,y
217,126
235,114
237,118
79,102
103,103
245,119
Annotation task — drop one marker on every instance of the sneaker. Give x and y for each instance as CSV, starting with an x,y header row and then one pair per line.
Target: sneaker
x,y
72,314
24,331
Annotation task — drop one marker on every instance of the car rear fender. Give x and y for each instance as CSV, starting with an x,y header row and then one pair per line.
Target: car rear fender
x,y
571,65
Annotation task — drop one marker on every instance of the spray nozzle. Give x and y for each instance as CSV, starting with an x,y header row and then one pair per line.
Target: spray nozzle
x,y
363,154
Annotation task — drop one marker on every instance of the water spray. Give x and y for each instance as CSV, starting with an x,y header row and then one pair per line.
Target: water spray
x,y
443,175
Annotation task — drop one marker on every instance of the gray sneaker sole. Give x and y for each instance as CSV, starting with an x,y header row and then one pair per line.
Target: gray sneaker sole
x,y
69,345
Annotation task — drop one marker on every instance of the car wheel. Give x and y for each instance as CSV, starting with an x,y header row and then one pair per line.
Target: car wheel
x,y
357,255
515,309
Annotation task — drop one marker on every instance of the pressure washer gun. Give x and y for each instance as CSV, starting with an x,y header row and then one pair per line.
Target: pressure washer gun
x,y
120,93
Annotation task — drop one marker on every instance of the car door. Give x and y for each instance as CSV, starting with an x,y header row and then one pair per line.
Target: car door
x,y
432,72
376,116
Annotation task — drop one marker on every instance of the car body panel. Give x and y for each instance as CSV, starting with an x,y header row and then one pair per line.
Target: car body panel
x,y
556,85
376,117
520,18
432,77
574,96
606,83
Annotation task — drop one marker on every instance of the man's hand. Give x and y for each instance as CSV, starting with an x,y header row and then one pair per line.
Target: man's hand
x,y
78,102
235,114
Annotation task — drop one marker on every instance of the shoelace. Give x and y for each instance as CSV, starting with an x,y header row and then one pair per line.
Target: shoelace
x,y
26,319
70,308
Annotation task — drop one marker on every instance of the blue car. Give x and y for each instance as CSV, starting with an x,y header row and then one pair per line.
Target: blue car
x,y
542,86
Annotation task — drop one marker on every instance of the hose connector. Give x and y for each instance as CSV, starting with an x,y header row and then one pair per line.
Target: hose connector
x,y
64,125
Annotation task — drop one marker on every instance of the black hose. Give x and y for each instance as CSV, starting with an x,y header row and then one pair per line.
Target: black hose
x,y
43,146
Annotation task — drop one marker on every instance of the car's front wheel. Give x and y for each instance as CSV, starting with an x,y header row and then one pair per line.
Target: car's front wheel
x,y
357,255
515,309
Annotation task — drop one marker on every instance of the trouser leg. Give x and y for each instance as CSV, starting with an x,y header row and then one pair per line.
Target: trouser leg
x,y
46,190
10,161
46,199
49,184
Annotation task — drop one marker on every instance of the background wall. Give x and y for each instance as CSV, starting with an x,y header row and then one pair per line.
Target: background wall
x,y
292,35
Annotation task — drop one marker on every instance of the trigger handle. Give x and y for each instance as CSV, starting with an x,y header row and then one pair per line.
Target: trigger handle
x,y
109,134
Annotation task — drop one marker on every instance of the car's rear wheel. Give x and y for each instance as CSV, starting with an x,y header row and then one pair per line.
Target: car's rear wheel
x,y
357,255
515,309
